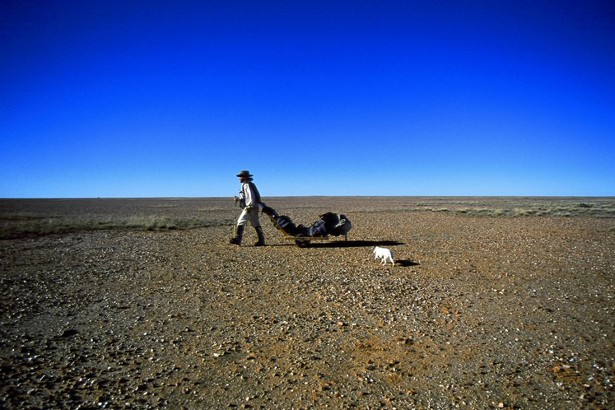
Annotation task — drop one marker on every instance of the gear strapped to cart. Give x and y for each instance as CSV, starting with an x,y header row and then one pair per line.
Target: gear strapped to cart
x,y
329,224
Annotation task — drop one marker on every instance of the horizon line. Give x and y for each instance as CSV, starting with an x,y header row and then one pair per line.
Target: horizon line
x,y
307,196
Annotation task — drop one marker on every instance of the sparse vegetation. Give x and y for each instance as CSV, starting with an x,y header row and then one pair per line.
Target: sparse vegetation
x,y
24,225
599,208
40,217
25,218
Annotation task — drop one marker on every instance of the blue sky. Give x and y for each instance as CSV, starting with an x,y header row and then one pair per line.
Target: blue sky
x,y
173,98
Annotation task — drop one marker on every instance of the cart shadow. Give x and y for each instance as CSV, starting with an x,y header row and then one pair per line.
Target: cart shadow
x,y
351,244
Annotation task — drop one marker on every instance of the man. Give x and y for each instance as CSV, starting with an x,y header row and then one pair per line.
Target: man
x,y
250,203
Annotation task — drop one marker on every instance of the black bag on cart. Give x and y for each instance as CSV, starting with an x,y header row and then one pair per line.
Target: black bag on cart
x,y
285,224
318,228
336,224
330,224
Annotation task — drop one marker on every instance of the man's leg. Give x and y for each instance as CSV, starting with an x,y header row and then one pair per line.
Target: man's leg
x,y
237,235
238,231
257,227
261,236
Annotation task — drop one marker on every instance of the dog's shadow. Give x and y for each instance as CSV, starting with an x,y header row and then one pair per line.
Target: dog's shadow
x,y
406,262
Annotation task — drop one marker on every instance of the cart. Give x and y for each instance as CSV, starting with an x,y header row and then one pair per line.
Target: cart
x,y
329,224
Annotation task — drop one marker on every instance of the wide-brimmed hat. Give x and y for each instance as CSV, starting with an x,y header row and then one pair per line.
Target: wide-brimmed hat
x,y
245,173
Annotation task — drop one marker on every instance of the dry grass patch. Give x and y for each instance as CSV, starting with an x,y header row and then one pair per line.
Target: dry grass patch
x,y
520,207
25,225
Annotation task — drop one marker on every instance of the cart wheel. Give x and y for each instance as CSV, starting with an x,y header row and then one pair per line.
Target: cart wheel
x,y
301,241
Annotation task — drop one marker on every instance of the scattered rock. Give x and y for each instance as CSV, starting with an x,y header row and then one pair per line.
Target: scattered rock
x,y
504,312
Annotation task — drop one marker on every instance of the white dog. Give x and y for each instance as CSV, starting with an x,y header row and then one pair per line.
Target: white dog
x,y
384,254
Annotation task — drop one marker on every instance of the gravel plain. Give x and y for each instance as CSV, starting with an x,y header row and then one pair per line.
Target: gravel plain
x,y
482,310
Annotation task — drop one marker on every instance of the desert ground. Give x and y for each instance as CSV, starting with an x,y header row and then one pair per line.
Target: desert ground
x,y
502,303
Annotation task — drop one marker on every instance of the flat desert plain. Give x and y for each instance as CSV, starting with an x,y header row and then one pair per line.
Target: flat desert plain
x,y
502,303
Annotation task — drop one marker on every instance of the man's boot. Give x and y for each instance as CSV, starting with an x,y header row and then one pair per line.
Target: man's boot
x,y
261,236
236,240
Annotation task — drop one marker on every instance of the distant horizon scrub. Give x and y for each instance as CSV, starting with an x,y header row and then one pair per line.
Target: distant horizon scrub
x,y
23,224
550,207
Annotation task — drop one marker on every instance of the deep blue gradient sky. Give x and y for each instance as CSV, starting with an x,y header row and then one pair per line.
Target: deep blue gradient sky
x,y
173,98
